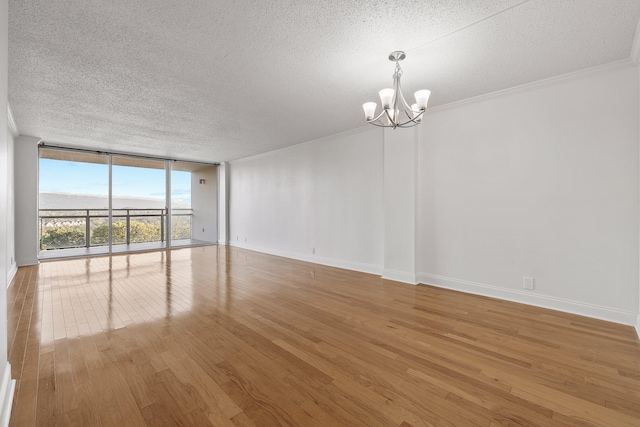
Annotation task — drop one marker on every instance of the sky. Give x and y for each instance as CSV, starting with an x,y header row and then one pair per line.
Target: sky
x,y
59,176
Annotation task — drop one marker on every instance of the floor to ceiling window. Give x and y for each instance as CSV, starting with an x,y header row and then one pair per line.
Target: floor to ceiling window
x,y
147,204
139,208
73,201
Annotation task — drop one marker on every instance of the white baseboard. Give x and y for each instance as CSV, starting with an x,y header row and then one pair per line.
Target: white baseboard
x,y
400,276
12,273
27,262
7,388
331,262
544,301
553,303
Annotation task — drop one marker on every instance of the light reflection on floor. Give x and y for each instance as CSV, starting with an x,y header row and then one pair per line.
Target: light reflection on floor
x,y
124,290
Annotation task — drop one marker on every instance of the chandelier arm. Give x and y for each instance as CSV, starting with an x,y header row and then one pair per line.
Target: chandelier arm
x,y
377,118
414,120
408,111
406,105
405,126
396,88
409,123
392,121
379,124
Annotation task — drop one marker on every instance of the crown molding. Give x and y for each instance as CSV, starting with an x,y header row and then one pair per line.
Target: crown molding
x,y
11,122
290,148
539,83
635,50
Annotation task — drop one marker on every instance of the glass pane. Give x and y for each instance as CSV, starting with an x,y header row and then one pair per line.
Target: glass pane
x,y
193,204
139,201
73,198
180,202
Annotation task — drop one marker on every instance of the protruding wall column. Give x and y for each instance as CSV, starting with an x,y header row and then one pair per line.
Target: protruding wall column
x,y
223,203
400,202
26,194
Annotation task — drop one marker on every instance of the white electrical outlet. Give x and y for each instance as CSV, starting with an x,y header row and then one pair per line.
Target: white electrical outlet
x,y
528,282
314,251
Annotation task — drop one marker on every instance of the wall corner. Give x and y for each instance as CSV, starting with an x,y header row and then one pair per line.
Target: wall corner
x,y
635,49
11,122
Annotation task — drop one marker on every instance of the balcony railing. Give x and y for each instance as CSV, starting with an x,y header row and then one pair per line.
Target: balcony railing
x,y
73,228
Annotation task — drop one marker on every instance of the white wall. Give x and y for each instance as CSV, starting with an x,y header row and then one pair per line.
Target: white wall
x,y
539,182
4,184
12,266
204,204
26,199
324,196
4,191
6,384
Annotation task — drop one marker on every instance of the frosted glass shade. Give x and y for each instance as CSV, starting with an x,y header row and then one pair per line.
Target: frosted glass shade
x,y
369,110
386,98
422,98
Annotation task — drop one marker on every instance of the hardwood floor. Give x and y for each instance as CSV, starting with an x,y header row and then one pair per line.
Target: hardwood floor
x,y
219,336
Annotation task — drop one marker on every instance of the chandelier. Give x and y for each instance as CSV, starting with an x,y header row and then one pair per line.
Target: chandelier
x,y
396,112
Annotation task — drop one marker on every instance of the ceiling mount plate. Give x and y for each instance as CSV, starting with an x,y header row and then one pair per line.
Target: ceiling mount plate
x,y
397,56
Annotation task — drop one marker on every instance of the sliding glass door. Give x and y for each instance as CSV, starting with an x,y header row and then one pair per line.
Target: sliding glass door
x,y
73,201
139,205
93,203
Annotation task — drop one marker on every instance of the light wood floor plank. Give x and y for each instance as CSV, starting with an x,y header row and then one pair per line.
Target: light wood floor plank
x,y
220,336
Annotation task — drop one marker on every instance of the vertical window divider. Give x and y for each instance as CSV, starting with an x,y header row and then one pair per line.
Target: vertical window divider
x,y
110,219
167,168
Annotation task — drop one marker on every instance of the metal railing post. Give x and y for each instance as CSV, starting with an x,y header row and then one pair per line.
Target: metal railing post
x,y
87,230
128,228
162,225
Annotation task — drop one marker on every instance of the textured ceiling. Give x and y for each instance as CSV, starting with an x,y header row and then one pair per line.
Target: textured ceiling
x,y
220,80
